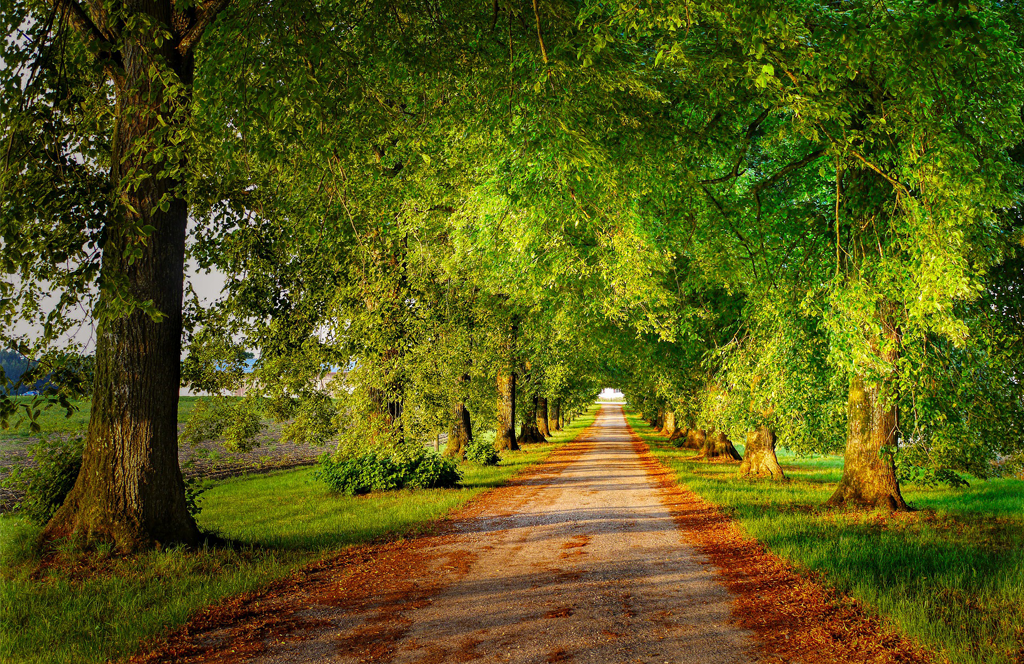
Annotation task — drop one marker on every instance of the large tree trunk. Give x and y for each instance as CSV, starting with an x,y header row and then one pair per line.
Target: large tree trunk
x,y
761,460
505,437
869,473
461,430
718,446
555,422
531,433
130,490
669,428
542,417
694,439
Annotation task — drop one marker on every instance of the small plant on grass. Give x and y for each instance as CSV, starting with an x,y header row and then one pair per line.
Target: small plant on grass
x,y
482,452
47,484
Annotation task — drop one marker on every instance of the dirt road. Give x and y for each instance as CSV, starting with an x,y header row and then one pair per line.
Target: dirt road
x,y
584,562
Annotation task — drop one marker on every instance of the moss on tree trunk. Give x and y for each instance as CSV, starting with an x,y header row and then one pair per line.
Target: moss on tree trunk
x,y
461,431
531,433
505,437
669,428
761,460
694,439
869,473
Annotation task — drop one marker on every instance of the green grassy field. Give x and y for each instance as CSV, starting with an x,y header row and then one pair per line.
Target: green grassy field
x,y
94,607
55,419
950,574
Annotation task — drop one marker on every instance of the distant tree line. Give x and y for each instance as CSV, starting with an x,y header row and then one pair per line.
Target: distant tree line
x,y
24,376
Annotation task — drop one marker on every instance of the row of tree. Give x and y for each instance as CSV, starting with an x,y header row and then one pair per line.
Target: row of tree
x,y
745,214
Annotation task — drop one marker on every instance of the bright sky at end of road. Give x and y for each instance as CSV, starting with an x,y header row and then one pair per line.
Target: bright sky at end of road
x,y
610,394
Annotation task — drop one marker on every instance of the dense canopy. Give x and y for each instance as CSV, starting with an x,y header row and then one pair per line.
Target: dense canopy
x,y
791,223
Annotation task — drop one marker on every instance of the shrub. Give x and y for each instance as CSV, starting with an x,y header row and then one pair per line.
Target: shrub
x,y
46,485
341,475
435,472
387,470
482,452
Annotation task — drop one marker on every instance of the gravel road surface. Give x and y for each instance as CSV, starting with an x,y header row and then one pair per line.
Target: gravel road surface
x,y
583,562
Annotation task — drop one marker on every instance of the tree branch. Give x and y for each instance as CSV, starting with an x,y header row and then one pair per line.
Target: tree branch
x,y
736,232
788,169
95,39
209,11
735,173
543,51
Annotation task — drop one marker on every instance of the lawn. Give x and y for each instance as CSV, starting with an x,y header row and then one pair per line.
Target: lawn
x,y
97,606
950,574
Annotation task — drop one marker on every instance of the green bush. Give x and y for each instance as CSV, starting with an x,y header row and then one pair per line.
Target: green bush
x,y
47,484
387,470
434,472
482,452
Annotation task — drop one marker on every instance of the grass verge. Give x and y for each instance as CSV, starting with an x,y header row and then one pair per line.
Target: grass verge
x,y
95,606
950,574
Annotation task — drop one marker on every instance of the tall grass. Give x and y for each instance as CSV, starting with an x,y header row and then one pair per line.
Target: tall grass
x,y
91,607
950,574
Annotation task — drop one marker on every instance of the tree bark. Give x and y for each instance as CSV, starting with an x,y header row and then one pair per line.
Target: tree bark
x,y
761,460
695,439
669,429
869,473
531,432
555,423
505,438
461,431
717,446
130,490
542,417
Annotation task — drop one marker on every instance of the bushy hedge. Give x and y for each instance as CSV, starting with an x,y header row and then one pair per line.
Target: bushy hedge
x,y
482,452
388,469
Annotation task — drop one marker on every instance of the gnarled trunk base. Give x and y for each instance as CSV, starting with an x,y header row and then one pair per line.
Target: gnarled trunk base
x,y
460,433
694,439
542,417
669,428
761,460
869,473
718,446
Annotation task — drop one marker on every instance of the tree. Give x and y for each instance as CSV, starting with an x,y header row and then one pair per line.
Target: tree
x,y
130,490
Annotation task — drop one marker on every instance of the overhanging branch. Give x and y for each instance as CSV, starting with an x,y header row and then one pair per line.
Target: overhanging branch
x,y
788,169
95,39
195,31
